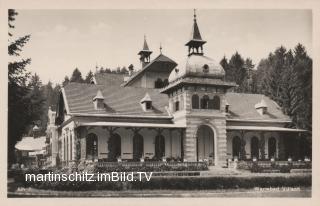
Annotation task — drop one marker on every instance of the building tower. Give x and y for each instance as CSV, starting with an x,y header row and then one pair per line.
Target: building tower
x,y
195,44
145,53
196,93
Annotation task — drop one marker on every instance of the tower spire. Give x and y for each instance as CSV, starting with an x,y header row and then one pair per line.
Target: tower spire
x,y
160,48
195,44
145,52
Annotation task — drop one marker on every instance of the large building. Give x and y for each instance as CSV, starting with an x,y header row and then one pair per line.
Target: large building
x,y
183,112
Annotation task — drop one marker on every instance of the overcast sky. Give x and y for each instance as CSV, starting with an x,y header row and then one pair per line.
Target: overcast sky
x,y
62,40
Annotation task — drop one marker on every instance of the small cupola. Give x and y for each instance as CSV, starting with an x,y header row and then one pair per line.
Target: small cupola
x,y
98,101
262,107
146,102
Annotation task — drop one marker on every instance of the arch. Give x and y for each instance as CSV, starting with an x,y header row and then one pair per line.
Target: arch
x,y
114,147
254,147
195,101
92,146
165,83
216,102
137,147
159,146
236,147
158,83
272,147
205,143
204,102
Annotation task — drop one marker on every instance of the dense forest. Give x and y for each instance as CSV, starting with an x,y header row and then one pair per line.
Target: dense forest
x,y
284,75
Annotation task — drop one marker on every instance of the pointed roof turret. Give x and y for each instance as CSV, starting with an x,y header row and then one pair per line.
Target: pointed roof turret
x,y
145,53
195,43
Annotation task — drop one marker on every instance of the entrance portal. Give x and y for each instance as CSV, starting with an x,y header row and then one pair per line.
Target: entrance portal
x,y
205,143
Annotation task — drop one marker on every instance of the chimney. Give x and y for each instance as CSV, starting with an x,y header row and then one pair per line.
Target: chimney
x,y
98,101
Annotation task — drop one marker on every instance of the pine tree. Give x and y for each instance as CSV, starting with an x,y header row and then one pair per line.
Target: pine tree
x,y
89,77
65,81
76,76
237,71
18,102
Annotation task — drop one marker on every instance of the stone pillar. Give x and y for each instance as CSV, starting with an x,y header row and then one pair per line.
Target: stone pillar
x,y
243,154
221,144
190,142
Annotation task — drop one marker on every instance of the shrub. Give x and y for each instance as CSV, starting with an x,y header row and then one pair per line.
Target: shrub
x,y
182,183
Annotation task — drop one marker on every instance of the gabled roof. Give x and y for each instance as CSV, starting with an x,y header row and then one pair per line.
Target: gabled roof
x,y
118,100
146,98
99,95
126,101
108,79
160,63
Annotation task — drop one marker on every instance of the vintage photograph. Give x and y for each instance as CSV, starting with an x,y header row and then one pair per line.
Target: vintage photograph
x,y
159,103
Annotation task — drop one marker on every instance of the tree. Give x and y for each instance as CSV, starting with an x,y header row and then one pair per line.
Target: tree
x,y
89,77
76,76
237,72
18,102
65,81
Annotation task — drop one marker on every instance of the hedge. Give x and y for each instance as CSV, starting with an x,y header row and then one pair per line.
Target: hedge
x,y
181,183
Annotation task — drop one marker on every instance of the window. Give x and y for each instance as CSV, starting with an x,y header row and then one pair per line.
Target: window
x,y
148,105
216,102
92,146
165,83
177,105
158,83
227,108
236,147
114,147
205,102
254,147
159,147
195,101
272,147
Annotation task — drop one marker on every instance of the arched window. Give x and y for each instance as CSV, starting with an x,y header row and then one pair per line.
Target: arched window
x,y
137,147
165,83
114,147
158,83
205,102
159,147
236,147
216,102
254,147
272,147
92,146
195,101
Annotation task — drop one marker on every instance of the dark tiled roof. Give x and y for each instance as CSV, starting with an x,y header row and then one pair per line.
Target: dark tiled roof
x,y
118,100
109,79
242,106
126,101
158,60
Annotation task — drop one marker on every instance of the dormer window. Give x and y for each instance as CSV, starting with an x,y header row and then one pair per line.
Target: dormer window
x,y
261,107
98,101
146,102
148,105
